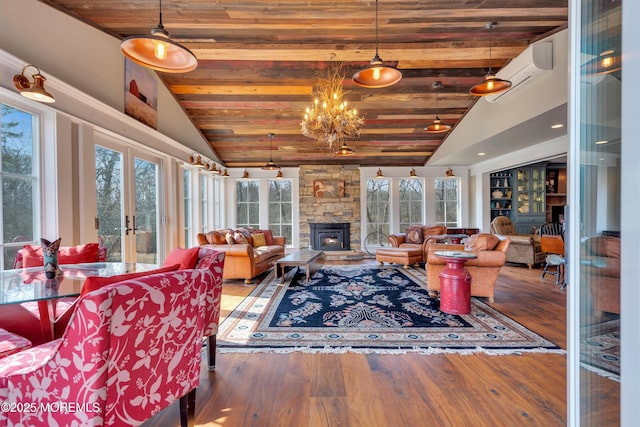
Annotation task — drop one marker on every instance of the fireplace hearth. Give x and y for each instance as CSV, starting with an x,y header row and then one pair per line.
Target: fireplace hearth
x,y
330,236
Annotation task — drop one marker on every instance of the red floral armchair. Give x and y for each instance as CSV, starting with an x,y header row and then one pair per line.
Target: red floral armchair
x,y
130,350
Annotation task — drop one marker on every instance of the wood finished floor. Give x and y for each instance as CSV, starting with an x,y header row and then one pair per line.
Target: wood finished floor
x,y
298,389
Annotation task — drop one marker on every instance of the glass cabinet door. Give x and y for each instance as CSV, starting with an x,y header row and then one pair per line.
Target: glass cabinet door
x,y
538,176
523,191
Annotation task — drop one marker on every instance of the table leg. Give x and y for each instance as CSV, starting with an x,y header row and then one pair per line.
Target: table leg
x,y
46,321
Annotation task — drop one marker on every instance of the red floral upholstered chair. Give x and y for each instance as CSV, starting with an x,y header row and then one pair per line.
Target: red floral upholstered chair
x,y
11,343
130,350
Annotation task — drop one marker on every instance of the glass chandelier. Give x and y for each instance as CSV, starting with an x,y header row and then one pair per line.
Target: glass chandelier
x,y
329,121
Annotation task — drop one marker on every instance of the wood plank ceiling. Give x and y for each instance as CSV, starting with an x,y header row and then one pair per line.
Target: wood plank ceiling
x,y
259,63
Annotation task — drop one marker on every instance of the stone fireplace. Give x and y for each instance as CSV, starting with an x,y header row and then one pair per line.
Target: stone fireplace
x,y
330,236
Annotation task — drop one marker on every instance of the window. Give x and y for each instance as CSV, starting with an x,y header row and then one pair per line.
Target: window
x,y
446,201
20,185
377,212
218,213
411,203
247,203
204,208
188,218
280,208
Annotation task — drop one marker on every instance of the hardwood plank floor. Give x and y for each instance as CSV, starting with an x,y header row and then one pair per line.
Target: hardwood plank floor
x,y
299,389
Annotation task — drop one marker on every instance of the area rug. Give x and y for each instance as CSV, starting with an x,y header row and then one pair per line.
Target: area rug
x,y
366,309
600,349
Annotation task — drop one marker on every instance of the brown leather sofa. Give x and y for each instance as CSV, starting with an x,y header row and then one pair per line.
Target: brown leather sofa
x,y
600,266
492,255
417,237
245,254
524,248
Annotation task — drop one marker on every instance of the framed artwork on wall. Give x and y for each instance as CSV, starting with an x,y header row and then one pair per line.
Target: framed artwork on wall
x,y
324,189
141,94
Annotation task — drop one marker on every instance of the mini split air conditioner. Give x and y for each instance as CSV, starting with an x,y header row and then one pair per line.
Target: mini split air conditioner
x,y
535,59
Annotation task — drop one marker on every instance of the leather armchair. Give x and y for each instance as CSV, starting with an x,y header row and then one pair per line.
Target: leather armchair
x,y
417,237
524,248
484,270
600,266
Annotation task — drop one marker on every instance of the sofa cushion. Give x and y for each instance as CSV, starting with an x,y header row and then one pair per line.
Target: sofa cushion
x,y
185,258
217,237
268,236
481,242
229,238
240,238
93,283
258,240
414,234
32,255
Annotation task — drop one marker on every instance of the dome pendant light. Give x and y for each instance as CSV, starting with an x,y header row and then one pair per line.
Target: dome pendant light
x,y
437,126
377,75
157,51
270,166
344,151
491,84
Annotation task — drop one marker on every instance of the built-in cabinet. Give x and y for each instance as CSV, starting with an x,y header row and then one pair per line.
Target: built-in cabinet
x,y
501,194
529,195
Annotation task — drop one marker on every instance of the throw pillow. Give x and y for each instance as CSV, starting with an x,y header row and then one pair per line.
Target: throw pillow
x,y
258,240
32,255
414,234
239,238
229,238
268,236
481,242
93,283
186,258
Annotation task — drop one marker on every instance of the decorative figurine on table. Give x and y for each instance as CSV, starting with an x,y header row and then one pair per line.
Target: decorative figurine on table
x,y
50,252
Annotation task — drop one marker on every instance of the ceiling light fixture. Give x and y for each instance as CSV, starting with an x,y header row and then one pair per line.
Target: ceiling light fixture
x,y
491,84
270,166
33,90
344,151
377,75
329,121
196,160
437,126
158,51
557,126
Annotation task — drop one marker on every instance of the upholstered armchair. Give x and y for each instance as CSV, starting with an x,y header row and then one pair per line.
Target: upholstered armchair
x,y
417,236
524,248
491,254
600,266
130,350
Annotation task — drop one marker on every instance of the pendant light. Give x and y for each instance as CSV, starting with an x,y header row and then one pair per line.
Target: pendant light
x,y
437,126
608,61
377,75
158,51
344,151
270,166
491,84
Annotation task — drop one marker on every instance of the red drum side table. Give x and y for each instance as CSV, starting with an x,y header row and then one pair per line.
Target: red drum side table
x,y
455,282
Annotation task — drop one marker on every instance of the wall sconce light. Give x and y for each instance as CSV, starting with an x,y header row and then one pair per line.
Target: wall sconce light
x,y
196,160
225,174
412,174
379,174
245,175
450,172
33,90
214,169
279,174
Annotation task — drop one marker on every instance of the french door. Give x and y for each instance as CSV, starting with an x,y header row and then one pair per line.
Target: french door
x,y
127,202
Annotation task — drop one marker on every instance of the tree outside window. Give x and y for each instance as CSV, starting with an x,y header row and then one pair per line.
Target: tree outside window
x,y
447,201
281,208
19,176
411,203
378,197
247,203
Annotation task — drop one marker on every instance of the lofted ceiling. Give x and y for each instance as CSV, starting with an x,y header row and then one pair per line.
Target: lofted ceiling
x,y
259,63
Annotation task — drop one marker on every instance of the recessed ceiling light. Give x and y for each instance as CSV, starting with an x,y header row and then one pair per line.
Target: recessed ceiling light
x,y
557,126
604,141
481,154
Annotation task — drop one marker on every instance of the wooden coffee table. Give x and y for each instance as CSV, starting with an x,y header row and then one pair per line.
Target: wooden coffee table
x,y
309,259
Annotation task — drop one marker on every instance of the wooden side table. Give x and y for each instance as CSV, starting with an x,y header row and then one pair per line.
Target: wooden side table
x,y
455,282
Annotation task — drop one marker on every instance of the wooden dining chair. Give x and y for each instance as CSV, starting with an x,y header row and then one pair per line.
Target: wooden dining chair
x,y
553,246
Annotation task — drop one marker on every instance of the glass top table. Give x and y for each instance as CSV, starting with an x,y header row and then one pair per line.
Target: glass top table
x,y
30,284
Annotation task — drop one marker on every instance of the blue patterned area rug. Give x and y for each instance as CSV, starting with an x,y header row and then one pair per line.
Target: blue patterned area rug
x,y
366,309
600,349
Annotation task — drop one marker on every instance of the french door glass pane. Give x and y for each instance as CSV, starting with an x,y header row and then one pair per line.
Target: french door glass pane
x,y
146,209
109,199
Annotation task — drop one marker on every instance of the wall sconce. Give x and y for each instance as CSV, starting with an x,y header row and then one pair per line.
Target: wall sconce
x,y
245,175
450,172
279,175
214,169
196,160
412,174
225,174
379,174
33,90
